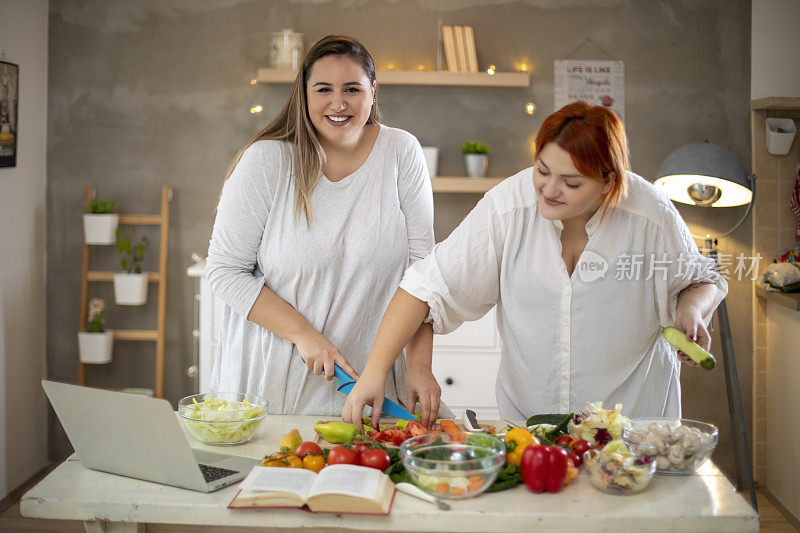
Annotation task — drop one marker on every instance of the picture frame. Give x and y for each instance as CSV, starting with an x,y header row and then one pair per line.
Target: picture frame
x,y
9,120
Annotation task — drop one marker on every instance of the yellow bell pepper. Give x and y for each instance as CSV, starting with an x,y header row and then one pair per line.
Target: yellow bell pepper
x,y
517,439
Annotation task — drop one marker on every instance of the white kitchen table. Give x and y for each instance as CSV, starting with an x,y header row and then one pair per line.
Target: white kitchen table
x,y
705,501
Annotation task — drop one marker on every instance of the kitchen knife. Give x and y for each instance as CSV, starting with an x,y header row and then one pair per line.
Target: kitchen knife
x,y
390,408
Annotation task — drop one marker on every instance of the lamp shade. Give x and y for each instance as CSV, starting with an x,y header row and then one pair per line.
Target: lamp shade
x,y
705,174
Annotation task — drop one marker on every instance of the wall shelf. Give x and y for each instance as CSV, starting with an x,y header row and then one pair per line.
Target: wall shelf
x,y
416,77
782,103
459,184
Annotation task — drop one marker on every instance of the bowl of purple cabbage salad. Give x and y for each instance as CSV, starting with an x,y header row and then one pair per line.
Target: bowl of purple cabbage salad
x,y
617,470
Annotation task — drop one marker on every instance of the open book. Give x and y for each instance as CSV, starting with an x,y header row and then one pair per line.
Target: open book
x,y
336,489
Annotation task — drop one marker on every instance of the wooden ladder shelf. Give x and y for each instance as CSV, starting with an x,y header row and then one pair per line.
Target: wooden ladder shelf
x,y
160,277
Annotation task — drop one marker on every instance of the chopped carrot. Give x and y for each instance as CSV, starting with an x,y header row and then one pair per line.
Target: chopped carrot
x,y
475,479
472,487
442,488
457,492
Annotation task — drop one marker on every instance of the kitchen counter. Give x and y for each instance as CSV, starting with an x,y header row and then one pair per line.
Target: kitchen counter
x,y
704,501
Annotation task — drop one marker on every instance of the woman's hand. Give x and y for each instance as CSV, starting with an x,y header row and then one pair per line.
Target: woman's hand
x,y
689,321
422,385
368,390
320,355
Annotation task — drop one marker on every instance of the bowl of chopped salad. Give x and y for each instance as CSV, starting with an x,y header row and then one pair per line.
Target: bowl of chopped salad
x,y
598,425
223,418
453,465
617,470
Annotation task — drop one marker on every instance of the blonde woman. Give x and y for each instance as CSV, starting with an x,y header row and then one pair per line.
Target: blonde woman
x,y
321,214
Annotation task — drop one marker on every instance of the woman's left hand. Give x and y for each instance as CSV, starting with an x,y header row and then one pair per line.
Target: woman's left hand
x,y
689,321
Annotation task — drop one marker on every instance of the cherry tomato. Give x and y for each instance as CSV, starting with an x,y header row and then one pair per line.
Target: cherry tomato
x,y
341,455
565,440
308,447
376,458
580,446
576,459
315,463
359,446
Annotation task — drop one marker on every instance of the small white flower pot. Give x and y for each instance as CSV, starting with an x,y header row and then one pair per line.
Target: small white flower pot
x,y
431,154
780,134
130,289
95,348
100,229
476,165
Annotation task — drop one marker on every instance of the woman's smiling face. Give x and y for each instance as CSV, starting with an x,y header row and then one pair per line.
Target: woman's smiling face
x,y
563,192
340,96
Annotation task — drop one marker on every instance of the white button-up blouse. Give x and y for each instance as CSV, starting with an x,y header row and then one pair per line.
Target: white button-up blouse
x,y
567,340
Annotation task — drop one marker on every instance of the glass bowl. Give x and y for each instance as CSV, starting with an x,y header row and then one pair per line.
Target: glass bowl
x,y
453,467
679,446
223,418
616,474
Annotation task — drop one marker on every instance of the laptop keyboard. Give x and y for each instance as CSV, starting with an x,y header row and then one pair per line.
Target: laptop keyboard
x,y
213,473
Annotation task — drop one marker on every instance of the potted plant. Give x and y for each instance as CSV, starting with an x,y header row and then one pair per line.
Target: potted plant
x,y
475,158
95,344
100,221
130,286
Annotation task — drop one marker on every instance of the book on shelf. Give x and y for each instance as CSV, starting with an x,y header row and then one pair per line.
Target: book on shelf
x,y
336,489
459,48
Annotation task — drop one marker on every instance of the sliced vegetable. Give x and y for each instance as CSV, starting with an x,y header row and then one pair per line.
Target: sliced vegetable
x,y
678,339
217,420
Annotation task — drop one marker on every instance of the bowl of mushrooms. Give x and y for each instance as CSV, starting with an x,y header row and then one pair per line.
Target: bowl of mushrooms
x,y
679,446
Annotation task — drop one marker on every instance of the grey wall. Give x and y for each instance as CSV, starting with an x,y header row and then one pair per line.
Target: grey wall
x,y
151,93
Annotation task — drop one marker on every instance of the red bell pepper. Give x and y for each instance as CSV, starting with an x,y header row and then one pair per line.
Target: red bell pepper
x,y
544,468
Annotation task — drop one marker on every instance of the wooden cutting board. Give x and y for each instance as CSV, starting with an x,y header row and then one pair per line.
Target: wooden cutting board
x,y
325,444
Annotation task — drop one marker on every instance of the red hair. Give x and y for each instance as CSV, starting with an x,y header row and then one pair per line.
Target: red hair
x,y
594,137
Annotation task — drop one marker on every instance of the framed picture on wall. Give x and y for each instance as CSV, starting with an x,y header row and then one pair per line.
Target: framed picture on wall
x,y
9,96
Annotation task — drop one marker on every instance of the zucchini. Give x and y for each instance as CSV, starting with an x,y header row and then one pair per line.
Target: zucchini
x,y
679,340
554,420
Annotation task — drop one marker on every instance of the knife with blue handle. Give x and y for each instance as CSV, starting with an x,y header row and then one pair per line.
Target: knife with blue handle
x,y
346,383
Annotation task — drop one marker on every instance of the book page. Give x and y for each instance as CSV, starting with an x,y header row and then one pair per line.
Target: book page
x,y
275,479
347,479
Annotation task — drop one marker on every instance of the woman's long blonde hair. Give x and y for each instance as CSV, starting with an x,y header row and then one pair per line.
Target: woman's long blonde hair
x,y
293,124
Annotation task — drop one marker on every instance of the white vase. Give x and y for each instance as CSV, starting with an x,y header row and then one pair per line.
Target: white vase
x,y
476,165
431,154
130,289
780,134
95,348
100,229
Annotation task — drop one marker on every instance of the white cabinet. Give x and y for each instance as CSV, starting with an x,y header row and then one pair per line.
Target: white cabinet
x,y
465,361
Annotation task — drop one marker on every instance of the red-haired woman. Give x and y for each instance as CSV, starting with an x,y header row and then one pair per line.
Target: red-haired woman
x,y
585,261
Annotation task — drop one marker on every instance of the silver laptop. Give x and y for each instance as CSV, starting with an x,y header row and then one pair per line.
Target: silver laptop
x,y
139,437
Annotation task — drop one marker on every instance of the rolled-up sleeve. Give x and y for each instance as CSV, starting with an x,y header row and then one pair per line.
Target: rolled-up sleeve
x,y
684,265
239,228
460,279
416,200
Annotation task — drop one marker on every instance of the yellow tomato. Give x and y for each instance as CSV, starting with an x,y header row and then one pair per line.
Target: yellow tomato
x,y
315,463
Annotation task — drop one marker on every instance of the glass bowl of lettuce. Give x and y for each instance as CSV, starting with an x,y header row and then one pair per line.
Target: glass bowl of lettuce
x,y
223,418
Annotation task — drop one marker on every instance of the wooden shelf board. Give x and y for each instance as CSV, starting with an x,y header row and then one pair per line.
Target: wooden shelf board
x,y
776,103
140,220
99,275
135,334
459,184
788,299
415,77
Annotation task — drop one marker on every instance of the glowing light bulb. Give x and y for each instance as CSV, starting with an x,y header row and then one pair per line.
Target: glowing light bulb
x,y
490,70
530,108
523,67
421,68
253,81
390,66
256,109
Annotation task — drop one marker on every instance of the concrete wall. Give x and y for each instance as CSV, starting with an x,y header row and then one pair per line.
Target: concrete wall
x,y
775,41
23,219
149,93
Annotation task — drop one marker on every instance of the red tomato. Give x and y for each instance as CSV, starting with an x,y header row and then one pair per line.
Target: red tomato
x,y
579,447
565,440
359,446
415,428
576,459
308,447
342,456
376,458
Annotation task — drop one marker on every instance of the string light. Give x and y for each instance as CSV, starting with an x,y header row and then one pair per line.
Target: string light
x,y
530,108
253,81
421,68
490,70
256,109
523,67
390,66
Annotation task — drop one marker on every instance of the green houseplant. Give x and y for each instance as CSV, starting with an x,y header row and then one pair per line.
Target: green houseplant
x,y
476,158
95,344
100,221
130,285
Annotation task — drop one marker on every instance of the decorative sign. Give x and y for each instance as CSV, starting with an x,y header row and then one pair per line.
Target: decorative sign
x,y
598,82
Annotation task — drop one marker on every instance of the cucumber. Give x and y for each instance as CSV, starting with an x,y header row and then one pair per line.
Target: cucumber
x,y
553,419
678,339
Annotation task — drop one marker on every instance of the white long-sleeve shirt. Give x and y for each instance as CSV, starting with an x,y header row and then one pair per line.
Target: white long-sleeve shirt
x,y
339,274
567,340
